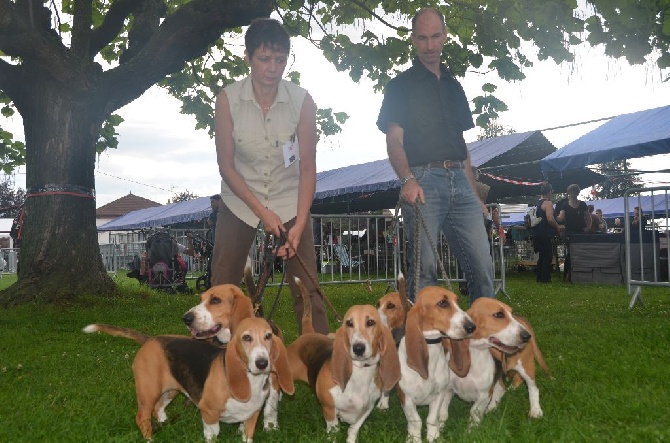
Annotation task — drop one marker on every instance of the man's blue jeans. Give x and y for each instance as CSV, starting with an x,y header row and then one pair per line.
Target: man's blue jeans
x,y
453,209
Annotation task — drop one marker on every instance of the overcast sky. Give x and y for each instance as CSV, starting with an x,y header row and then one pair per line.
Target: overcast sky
x,y
160,153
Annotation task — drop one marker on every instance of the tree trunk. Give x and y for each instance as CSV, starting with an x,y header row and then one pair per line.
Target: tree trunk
x,y
59,256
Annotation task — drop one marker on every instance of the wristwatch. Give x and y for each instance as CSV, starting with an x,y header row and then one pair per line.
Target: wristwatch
x,y
405,179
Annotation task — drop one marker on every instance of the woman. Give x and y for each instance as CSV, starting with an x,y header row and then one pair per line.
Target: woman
x,y
574,214
266,151
544,233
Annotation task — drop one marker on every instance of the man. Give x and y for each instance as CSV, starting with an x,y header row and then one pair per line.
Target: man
x,y
602,223
214,201
424,115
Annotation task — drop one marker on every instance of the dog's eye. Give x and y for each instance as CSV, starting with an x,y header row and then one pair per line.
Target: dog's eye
x,y
349,323
370,322
390,306
247,337
444,303
499,314
214,301
268,335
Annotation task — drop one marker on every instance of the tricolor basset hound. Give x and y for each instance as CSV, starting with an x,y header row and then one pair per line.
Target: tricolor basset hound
x,y
347,373
227,384
426,354
216,317
498,332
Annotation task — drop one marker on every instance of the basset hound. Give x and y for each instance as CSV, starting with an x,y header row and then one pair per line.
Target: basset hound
x,y
434,327
216,317
498,332
393,308
220,310
227,384
347,373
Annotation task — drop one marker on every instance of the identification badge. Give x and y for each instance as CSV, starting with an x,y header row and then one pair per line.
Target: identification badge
x,y
290,151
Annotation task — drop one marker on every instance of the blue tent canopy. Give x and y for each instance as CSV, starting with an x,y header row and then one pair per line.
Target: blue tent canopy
x,y
626,136
186,211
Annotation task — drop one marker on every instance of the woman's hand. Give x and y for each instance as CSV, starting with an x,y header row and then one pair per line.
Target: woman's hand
x,y
288,250
272,222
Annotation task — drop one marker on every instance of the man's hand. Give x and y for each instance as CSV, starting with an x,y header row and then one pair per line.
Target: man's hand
x,y
411,191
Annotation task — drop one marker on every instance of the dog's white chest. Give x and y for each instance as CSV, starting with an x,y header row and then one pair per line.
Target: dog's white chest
x,y
479,379
236,411
424,391
358,397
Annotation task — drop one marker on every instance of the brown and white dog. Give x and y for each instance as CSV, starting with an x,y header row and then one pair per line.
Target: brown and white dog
x,y
426,354
347,373
227,384
393,308
499,333
220,310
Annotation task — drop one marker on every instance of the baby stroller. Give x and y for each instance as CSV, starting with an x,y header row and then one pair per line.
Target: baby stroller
x,y
166,269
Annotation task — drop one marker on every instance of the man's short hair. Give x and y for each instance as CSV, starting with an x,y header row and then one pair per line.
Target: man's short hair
x,y
215,197
420,12
573,189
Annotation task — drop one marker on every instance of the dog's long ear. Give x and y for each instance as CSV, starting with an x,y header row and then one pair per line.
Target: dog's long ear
x,y
280,364
242,308
340,362
459,355
236,372
389,365
499,355
415,344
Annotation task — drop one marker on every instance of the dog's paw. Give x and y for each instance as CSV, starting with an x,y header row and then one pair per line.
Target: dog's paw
x,y
383,402
535,413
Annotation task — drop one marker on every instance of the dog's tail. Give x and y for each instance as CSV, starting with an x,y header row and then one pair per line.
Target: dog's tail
x,y
249,279
117,331
402,291
306,325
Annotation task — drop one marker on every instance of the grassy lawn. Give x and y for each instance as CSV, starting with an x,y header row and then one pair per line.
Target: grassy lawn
x,y
611,367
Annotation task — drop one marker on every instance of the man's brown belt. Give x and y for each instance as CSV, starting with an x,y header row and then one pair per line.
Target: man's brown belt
x,y
446,164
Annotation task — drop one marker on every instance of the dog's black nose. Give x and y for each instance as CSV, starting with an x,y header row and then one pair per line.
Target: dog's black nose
x,y
262,363
359,348
188,318
470,327
525,336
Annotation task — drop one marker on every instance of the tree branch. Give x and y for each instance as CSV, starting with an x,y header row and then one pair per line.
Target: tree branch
x,y
25,32
81,28
113,23
184,35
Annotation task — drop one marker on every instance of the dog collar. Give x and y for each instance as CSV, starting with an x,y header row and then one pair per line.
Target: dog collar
x,y
433,341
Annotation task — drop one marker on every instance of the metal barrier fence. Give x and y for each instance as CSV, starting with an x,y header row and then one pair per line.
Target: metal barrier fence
x,y
349,249
646,247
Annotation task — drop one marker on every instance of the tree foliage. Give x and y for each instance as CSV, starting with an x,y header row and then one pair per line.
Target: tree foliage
x,y
182,196
620,177
494,129
10,199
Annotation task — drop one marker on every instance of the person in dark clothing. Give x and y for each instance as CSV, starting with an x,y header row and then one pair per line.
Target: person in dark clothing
x,y
574,214
424,114
544,233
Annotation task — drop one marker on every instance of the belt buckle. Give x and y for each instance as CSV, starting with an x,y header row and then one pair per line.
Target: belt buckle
x,y
446,163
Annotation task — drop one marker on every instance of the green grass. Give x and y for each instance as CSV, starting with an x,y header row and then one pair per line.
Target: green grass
x,y
611,367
